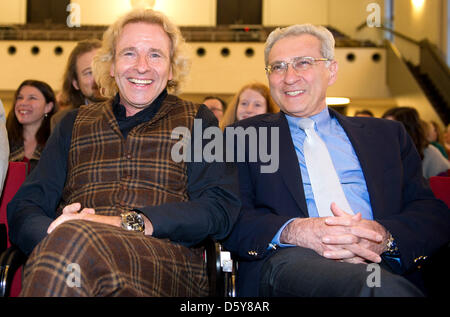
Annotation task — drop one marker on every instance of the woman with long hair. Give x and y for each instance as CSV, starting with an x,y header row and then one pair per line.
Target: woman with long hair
x,y
251,100
435,136
433,162
28,123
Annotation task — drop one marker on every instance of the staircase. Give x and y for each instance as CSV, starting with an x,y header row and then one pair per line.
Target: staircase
x,y
434,96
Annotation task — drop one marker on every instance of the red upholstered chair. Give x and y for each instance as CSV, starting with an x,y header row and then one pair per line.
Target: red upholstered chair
x,y
440,185
435,270
17,172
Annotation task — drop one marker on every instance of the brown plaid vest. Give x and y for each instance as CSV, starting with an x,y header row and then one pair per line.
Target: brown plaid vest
x,y
111,174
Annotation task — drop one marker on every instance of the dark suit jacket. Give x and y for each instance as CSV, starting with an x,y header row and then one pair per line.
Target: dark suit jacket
x,y
400,197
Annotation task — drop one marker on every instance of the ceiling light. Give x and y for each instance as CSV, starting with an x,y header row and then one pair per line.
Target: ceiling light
x,y
337,101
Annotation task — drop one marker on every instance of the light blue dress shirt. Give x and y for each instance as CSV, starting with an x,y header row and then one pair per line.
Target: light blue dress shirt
x,y
344,160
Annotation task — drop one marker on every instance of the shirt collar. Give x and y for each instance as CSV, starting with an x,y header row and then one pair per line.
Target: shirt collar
x,y
120,111
322,120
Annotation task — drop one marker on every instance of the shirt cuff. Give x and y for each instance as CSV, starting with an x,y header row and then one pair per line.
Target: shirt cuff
x,y
275,243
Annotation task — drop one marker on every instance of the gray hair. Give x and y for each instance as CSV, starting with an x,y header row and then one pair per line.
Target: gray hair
x,y
323,34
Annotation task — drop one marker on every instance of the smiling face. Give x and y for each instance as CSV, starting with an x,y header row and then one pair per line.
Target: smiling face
x,y
142,65
251,103
303,93
30,106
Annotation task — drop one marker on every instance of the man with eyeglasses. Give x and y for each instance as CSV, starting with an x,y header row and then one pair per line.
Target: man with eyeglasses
x,y
348,212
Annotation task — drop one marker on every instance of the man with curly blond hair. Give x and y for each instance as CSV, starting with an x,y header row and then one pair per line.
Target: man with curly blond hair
x,y
107,203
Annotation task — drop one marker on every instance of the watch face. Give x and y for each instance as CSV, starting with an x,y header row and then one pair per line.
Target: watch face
x,y
133,221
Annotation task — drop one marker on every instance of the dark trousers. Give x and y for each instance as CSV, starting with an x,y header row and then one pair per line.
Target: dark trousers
x,y
302,272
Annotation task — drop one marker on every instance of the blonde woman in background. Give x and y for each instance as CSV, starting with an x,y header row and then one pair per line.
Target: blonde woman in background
x,y
251,100
447,140
434,136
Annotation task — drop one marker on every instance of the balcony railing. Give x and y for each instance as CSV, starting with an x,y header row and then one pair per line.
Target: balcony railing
x,y
229,33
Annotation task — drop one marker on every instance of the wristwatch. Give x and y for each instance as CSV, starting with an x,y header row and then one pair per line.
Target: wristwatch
x,y
132,221
391,248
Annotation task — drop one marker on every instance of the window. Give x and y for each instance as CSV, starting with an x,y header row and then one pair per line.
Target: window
x,y
239,12
47,11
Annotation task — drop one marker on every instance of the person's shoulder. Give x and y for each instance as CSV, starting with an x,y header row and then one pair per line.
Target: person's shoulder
x,y
176,100
70,114
204,113
96,106
376,123
60,114
265,119
200,111
433,151
180,103
66,120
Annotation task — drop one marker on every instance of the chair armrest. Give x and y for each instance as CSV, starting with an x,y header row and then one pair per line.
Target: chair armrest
x,y
10,261
229,269
212,259
221,269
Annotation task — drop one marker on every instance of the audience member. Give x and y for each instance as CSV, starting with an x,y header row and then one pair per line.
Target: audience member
x,y
447,140
216,104
435,136
251,100
364,113
28,122
433,162
4,147
349,191
79,87
116,203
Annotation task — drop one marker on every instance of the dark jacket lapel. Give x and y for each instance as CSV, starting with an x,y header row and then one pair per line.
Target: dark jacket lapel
x,y
289,168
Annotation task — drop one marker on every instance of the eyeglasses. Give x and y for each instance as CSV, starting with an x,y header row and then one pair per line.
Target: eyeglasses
x,y
298,64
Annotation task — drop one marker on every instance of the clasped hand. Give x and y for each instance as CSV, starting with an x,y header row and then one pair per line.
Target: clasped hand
x,y
344,237
72,212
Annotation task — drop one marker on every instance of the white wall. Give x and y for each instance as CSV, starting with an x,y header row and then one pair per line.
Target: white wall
x,y
345,15
286,12
224,75
13,12
182,12
46,66
210,74
419,24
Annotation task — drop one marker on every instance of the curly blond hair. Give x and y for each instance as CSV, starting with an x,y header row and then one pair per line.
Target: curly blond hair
x,y
179,59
